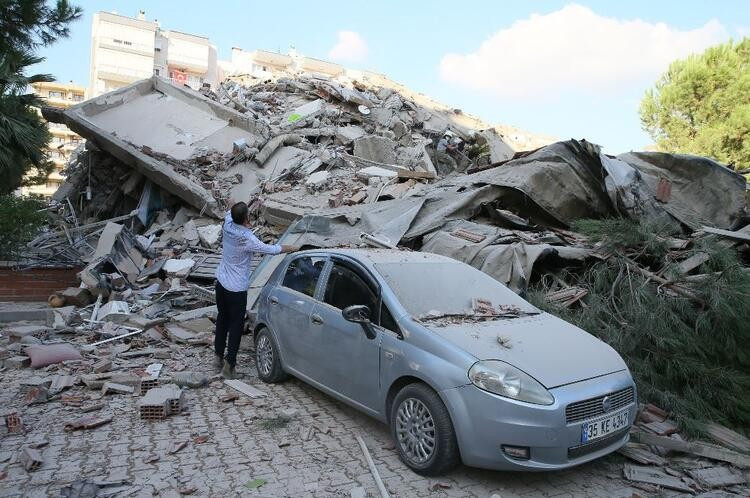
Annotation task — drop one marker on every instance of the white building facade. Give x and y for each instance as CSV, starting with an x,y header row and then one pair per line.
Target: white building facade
x,y
125,50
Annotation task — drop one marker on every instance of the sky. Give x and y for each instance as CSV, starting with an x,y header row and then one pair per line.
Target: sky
x,y
566,69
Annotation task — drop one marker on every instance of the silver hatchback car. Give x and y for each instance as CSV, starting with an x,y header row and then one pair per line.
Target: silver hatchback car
x,y
459,367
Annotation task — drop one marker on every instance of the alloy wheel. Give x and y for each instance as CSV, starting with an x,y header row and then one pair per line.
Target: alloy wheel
x,y
264,355
415,430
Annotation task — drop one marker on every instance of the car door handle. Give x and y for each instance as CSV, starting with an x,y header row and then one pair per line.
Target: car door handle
x,y
316,319
274,300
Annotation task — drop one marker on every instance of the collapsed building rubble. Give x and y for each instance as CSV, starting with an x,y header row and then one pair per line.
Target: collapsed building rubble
x,y
328,163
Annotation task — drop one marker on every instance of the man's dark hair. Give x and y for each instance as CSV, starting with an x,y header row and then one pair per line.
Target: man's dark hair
x,y
239,213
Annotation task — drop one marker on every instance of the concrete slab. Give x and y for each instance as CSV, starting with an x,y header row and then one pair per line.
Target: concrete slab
x,y
166,119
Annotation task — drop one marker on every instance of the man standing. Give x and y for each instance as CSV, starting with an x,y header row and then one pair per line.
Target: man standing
x,y
239,244
445,162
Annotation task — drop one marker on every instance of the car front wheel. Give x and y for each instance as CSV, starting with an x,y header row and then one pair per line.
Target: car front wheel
x,y
267,358
423,431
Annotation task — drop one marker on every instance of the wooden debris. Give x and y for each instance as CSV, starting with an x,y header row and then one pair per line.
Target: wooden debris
x,y
729,438
72,399
566,297
113,387
665,428
86,423
245,389
706,450
657,477
373,469
641,454
650,413
467,235
741,235
92,408
229,397
714,477
426,175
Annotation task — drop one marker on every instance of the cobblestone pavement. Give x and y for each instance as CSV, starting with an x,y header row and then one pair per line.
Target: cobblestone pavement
x,y
241,446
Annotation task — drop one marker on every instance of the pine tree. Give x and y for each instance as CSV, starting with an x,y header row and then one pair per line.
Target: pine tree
x,y
701,105
25,25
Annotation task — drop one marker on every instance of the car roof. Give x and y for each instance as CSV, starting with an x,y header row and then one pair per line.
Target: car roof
x,y
376,256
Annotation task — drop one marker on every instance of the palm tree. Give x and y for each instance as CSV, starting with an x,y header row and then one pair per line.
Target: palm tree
x,y
25,25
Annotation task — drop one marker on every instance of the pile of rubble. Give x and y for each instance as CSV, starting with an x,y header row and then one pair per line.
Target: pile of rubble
x,y
343,163
666,461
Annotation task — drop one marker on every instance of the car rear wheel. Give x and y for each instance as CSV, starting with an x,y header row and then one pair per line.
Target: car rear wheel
x,y
423,431
267,358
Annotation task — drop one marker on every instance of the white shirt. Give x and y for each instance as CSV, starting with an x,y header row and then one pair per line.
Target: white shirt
x,y
239,244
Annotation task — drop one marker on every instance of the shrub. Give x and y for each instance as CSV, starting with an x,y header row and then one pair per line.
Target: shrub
x,y
21,219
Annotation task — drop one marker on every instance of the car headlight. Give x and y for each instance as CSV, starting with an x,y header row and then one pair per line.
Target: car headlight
x,y
506,380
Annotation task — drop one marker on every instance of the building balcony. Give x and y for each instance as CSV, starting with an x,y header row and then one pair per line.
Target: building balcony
x,y
185,62
121,74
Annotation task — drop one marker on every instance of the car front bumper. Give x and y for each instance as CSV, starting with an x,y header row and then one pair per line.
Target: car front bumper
x,y
484,422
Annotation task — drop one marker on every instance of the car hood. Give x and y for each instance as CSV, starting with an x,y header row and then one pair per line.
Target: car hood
x,y
549,349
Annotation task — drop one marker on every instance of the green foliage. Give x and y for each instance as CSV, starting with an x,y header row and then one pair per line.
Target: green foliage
x,y
701,105
20,221
691,359
25,25
620,234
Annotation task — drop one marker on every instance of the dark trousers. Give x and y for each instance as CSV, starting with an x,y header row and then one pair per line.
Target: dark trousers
x,y
231,321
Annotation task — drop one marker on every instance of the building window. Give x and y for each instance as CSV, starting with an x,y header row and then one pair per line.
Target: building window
x,y
156,72
55,95
77,98
157,49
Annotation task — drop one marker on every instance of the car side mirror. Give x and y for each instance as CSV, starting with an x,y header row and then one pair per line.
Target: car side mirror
x,y
360,314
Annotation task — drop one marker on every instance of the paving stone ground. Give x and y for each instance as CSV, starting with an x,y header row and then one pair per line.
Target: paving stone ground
x,y
242,446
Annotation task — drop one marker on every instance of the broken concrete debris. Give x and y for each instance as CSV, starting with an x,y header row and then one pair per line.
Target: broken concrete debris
x,y
160,402
31,459
332,163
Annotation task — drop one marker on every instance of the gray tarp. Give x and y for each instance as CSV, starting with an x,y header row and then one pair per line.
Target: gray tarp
x,y
508,263
565,179
572,180
387,220
703,191
441,206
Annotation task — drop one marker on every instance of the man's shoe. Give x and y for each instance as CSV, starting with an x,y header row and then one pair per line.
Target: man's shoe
x,y
218,363
229,371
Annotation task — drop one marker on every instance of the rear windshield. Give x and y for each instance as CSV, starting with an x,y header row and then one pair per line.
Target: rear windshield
x,y
446,288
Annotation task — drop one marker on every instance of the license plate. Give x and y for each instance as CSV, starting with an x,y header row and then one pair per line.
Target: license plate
x,y
601,427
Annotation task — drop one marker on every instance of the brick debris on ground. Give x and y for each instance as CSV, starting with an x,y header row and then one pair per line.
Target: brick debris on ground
x,y
229,445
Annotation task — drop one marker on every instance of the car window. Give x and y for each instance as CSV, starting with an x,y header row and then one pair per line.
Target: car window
x,y
346,288
303,273
386,319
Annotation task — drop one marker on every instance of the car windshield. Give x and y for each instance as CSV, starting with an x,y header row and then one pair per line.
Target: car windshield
x,y
440,289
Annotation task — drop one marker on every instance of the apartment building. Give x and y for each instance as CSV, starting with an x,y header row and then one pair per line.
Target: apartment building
x,y
126,49
264,64
63,141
